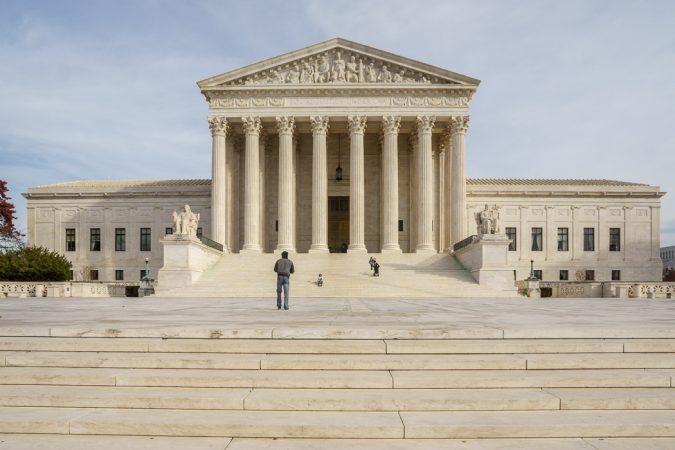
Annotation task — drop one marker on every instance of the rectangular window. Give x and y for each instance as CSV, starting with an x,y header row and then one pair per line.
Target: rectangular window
x,y
400,225
614,239
95,239
119,275
200,232
145,239
168,231
70,239
537,274
589,239
93,275
563,239
590,275
120,239
511,234
564,275
537,239
616,275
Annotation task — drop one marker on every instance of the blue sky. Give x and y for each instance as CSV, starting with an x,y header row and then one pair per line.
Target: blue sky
x,y
106,89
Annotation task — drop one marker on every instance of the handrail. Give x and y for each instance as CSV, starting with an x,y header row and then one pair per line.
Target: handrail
x,y
464,242
211,243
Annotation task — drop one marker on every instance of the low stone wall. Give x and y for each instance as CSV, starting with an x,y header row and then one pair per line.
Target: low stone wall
x,y
63,289
609,289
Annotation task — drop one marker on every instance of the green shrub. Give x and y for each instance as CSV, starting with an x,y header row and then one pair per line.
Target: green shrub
x,y
33,264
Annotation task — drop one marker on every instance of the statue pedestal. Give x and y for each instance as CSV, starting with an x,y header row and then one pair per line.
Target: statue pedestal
x,y
185,259
486,259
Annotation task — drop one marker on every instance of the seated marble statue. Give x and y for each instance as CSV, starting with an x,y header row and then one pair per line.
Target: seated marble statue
x,y
185,222
488,221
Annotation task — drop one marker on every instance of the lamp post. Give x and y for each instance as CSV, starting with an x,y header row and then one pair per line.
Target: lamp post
x,y
146,287
531,277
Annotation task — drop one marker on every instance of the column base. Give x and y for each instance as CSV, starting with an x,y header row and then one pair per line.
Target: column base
x,y
251,249
279,250
391,249
357,248
425,249
319,248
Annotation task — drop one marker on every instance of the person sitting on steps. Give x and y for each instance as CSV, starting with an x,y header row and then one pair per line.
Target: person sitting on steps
x,y
376,268
319,280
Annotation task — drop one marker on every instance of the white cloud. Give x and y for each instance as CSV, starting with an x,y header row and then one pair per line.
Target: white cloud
x,y
570,89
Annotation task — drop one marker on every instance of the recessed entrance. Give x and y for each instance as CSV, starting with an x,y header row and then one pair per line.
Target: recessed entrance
x,y
338,223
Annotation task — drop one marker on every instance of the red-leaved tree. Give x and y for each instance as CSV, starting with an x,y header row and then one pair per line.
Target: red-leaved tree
x,y
9,235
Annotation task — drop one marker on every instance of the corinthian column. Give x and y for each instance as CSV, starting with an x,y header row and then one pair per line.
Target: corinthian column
x,y
252,129
218,126
357,127
319,186
285,126
447,188
459,126
263,189
425,192
390,128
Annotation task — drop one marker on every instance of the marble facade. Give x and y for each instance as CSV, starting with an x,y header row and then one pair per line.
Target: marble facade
x,y
397,128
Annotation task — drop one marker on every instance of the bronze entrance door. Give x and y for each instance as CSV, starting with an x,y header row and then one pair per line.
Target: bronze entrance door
x,y
338,223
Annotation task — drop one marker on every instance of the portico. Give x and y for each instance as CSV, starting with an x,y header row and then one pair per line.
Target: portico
x,y
281,128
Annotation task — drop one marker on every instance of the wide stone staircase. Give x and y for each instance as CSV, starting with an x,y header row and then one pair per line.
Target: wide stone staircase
x,y
345,275
487,391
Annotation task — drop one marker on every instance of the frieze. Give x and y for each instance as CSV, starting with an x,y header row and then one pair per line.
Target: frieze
x,y
338,66
279,102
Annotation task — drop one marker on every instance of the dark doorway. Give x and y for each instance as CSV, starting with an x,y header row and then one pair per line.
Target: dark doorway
x,y
338,223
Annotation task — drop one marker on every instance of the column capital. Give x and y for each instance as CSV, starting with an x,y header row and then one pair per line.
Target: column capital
x,y
391,124
285,124
425,124
459,124
357,124
251,125
319,124
218,126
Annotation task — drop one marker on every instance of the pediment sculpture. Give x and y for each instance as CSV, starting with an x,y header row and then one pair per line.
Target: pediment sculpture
x,y
337,66
185,223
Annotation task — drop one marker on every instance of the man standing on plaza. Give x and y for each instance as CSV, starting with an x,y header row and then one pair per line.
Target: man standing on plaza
x,y
284,268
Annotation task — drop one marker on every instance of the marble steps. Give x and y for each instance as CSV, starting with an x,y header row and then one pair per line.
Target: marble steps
x,y
345,275
151,360
336,425
297,389
373,400
69,442
337,379
642,348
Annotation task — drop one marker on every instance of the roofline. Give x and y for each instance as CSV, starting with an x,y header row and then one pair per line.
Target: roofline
x,y
210,82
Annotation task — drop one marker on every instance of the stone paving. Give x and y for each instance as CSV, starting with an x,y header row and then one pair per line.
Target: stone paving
x,y
339,318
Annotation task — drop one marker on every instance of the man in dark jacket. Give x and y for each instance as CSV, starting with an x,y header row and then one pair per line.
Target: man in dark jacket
x,y
284,268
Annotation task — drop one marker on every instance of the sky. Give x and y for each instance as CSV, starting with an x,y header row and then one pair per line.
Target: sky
x,y
96,89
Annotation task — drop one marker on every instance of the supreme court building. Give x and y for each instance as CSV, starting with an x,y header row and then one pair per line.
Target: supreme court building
x,y
339,144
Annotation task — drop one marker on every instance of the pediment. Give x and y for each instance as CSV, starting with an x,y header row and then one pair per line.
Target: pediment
x,y
336,62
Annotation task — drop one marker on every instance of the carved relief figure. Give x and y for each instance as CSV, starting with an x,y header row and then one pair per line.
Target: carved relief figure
x,y
371,75
323,70
276,77
294,74
307,74
339,68
385,75
398,77
352,71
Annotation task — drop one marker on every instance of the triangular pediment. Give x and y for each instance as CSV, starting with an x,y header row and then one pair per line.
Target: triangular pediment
x,y
337,62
